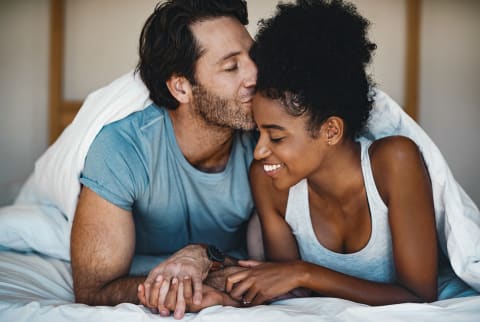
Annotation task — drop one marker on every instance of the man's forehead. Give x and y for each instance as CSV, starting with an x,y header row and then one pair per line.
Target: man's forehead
x,y
221,37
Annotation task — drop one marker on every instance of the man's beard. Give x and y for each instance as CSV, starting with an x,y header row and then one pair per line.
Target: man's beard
x,y
218,111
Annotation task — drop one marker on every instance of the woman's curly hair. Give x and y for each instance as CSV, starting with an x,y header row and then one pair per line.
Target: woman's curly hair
x,y
312,56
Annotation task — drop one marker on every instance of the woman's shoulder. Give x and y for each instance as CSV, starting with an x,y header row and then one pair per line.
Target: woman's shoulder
x,y
394,150
395,160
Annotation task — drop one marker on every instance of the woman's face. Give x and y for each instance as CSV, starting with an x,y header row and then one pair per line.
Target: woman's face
x,y
285,148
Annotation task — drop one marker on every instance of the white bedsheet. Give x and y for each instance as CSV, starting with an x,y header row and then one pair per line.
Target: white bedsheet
x,y
38,288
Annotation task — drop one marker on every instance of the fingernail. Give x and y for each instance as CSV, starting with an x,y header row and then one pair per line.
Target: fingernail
x,y
165,313
178,315
174,281
139,288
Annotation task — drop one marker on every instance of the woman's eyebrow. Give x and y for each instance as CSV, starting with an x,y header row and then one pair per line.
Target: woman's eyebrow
x,y
272,126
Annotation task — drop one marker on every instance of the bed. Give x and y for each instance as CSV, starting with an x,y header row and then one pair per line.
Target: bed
x,y
34,287
35,276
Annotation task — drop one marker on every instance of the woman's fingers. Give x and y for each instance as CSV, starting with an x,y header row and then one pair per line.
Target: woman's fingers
x,y
181,305
171,297
187,288
251,297
162,295
152,291
197,290
233,279
249,263
141,294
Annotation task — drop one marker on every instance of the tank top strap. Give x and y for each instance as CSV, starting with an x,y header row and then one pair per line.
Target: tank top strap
x,y
298,212
375,201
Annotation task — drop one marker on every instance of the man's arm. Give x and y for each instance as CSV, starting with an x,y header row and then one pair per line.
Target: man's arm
x,y
102,248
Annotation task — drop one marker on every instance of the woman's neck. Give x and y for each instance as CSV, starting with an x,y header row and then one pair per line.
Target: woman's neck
x,y
340,175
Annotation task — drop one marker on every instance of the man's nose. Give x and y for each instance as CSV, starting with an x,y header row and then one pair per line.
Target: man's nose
x,y
251,76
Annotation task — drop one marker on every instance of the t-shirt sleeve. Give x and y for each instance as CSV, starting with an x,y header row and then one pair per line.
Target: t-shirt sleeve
x,y
114,168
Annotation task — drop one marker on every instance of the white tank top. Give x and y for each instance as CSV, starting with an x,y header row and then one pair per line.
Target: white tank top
x,y
373,262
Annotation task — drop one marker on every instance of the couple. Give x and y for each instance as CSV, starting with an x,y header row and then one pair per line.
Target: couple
x,y
341,216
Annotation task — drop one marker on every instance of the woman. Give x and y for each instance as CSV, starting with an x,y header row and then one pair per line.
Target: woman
x,y
359,214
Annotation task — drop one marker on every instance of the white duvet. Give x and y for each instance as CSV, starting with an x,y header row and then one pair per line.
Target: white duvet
x,y
38,287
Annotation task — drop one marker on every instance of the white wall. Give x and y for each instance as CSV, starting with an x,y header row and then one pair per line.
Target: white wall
x,y
104,48
387,30
450,85
94,55
23,90
101,44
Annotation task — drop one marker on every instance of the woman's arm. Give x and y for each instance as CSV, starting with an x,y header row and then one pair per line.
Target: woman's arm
x,y
404,184
278,240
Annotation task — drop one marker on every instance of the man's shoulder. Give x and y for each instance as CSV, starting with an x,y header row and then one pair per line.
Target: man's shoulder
x,y
247,140
131,134
133,126
149,116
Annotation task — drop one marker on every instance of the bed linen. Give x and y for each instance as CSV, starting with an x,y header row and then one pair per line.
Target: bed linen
x,y
35,277
34,287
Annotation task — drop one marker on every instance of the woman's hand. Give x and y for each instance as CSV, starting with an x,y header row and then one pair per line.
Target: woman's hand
x,y
263,281
212,297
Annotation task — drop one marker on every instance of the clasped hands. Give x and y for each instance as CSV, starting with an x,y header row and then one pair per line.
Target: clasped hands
x,y
182,283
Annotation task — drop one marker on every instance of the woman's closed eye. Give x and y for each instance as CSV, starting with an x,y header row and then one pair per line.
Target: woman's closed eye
x,y
277,139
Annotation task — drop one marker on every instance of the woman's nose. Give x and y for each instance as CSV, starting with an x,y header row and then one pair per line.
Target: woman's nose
x,y
261,150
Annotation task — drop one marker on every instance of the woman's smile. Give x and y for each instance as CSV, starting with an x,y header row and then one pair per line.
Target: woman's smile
x,y
272,169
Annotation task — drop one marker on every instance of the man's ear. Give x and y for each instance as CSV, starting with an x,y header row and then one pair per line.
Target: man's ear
x,y
180,88
333,130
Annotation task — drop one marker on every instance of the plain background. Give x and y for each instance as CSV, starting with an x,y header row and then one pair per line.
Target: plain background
x,y
101,45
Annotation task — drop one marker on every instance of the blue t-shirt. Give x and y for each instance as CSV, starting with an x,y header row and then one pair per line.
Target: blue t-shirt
x,y
136,164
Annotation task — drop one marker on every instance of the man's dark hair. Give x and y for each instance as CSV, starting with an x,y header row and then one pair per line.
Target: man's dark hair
x,y
168,46
312,56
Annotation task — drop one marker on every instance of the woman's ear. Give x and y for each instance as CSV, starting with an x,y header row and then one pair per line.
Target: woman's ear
x,y
180,88
333,130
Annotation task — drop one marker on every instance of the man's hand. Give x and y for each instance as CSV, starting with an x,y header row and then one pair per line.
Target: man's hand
x,y
179,301
179,305
182,274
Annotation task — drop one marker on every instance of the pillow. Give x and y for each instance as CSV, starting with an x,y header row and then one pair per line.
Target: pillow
x,y
37,228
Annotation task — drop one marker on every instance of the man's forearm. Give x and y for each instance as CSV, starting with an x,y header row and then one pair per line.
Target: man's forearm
x,y
122,290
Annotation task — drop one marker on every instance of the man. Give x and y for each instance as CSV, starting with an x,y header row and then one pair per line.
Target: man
x,y
172,177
